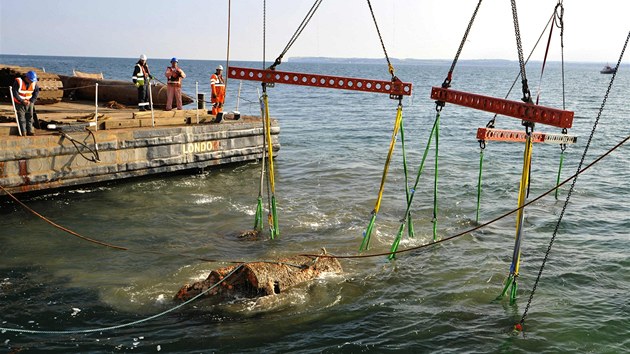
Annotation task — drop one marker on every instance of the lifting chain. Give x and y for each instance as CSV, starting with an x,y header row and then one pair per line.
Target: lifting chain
x,y
390,67
264,33
519,325
449,77
527,96
297,33
560,24
493,120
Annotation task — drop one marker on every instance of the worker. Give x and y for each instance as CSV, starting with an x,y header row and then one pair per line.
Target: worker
x,y
141,77
174,75
217,86
25,92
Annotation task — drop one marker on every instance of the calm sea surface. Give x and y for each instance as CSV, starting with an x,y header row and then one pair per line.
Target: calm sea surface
x,y
328,170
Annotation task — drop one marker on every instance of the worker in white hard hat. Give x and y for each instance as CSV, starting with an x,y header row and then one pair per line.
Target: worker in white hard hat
x,y
217,86
141,77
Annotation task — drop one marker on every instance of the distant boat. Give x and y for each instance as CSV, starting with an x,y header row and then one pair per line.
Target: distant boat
x,y
607,70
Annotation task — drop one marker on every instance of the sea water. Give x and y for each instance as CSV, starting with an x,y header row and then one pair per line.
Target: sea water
x,y
334,145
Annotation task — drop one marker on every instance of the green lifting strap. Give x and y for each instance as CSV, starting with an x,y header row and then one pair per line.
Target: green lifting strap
x,y
272,217
479,184
512,286
258,219
401,229
258,223
559,172
410,230
435,180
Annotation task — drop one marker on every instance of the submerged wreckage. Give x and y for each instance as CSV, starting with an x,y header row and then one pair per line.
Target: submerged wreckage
x,y
258,279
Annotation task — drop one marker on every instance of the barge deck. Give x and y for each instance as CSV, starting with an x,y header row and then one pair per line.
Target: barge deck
x,y
121,143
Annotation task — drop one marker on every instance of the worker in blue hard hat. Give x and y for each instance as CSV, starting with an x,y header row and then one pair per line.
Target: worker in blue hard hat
x,y
141,77
174,75
25,92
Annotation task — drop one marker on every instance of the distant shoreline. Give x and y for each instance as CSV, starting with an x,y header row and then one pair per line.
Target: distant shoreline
x,y
332,60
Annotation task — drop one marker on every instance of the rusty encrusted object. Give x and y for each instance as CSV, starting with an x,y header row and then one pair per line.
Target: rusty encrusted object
x,y
259,279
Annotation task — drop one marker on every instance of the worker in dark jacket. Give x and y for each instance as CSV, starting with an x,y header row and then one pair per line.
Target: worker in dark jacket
x,y
25,92
141,77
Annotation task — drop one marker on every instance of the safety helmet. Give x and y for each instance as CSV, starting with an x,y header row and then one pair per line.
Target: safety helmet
x,y
143,57
174,60
32,76
220,67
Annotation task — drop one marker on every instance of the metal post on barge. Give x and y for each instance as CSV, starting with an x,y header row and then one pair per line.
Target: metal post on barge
x,y
17,120
197,99
151,105
96,106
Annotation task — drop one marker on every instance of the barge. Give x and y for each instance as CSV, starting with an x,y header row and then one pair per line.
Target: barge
x,y
77,145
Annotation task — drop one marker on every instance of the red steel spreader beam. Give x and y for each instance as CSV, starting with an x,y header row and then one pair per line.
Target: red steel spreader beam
x,y
489,134
395,88
516,109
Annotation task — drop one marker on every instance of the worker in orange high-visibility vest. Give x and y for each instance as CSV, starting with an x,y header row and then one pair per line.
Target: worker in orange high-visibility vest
x,y
217,86
25,92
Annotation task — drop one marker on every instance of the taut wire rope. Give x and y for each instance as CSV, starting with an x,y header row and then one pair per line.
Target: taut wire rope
x,y
462,233
465,232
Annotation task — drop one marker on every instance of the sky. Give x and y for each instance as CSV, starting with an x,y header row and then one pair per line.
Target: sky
x,y
594,31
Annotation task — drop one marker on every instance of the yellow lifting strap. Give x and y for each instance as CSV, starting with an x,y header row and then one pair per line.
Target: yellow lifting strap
x,y
522,196
392,144
269,143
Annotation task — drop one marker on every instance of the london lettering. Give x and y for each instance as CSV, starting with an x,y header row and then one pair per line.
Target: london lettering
x,y
204,146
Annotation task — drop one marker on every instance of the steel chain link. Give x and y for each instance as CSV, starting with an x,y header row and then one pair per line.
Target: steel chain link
x,y
566,202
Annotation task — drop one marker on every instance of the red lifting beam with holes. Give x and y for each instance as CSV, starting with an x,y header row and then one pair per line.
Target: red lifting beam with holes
x,y
396,88
489,134
516,109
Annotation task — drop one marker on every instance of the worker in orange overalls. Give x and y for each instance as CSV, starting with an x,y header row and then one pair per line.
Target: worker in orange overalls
x,y
217,86
174,76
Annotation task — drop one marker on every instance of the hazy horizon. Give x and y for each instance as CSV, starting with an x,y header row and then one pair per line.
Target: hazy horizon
x,y
198,29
